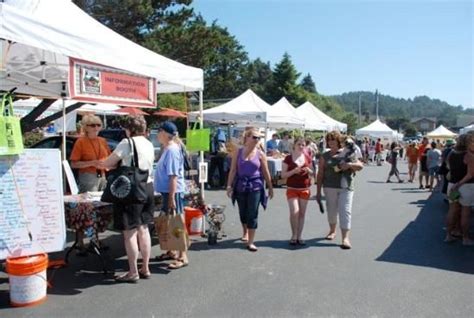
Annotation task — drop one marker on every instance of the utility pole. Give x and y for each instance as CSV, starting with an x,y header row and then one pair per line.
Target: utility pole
x,y
359,108
377,103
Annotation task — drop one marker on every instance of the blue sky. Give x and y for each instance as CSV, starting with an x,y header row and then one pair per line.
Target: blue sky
x,y
404,48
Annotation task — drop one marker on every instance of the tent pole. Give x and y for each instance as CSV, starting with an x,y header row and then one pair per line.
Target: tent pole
x,y
64,130
201,125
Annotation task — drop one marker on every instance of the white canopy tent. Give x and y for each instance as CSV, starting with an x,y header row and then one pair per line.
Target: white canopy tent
x,y
246,109
377,129
283,115
466,129
441,133
315,119
36,45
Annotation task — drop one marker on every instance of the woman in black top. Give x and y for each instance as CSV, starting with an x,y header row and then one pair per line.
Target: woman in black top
x,y
457,171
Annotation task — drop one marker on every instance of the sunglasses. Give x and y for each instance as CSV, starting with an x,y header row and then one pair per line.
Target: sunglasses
x,y
94,125
256,137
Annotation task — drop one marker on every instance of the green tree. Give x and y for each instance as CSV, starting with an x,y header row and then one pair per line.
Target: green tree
x,y
135,19
284,84
258,76
308,84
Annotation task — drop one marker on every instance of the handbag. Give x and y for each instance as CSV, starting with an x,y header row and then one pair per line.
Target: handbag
x,y
172,232
127,185
186,160
198,139
11,138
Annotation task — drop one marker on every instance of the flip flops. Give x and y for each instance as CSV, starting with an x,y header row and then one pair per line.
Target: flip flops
x,y
127,278
178,264
166,256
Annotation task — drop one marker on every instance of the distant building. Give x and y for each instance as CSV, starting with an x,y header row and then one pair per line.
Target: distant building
x,y
464,120
424,124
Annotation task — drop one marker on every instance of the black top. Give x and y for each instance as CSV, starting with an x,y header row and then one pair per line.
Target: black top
x,y
457,167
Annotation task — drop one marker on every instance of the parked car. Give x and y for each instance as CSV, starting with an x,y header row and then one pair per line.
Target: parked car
x,y
116,134
55,142
153,137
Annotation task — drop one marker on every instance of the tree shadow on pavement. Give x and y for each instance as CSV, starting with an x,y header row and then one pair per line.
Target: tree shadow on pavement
x,y
421,242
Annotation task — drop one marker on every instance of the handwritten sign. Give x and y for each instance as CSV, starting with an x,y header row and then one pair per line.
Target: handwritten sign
x,y
31,203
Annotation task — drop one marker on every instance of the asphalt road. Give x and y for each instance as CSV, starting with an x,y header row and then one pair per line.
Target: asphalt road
x,y
399,266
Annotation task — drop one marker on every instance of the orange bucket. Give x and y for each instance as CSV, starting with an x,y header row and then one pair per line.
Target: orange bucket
x,y
194,220
27,277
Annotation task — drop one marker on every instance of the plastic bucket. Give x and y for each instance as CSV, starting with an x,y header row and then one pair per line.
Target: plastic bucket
x,y
194,220
27,276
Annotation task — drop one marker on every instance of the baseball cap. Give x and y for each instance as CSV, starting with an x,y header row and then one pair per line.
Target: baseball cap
x,y
169,127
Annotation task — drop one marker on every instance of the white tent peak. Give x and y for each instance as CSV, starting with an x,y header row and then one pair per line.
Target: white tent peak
x,y
317,120
283,114
441,131
376,129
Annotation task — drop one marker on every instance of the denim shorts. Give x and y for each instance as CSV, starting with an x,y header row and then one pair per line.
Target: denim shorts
x,y
179,199
433,171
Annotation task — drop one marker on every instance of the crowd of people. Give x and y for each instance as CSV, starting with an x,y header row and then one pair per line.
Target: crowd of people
x,y
331,164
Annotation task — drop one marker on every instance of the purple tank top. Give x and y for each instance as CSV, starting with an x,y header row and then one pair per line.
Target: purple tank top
x,y
249,176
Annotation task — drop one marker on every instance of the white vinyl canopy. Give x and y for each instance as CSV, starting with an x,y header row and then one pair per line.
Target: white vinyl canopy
x,y
39,36
315,119
466,129
283,115
246,109
441,132
376,129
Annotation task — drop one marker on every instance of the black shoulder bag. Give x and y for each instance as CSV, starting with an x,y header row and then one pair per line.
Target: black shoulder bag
x,y
127,185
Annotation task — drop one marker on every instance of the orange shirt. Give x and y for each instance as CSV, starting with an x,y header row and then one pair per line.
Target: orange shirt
x,y
87,149
421,150
412,154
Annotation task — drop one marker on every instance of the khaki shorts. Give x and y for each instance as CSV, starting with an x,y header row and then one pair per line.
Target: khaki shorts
x,y
467,194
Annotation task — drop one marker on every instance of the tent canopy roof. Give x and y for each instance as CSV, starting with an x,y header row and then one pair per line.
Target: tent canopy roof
x,y
376,128
283,114
441,131
245,109
32,34
315,119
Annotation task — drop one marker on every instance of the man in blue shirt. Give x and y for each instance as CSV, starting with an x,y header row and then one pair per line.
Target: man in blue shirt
x,y
272,144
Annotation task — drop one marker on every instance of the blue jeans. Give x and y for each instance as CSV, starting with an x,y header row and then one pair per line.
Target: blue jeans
x,y
248,203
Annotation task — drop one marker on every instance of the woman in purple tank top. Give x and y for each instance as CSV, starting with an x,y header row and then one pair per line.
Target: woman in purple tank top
x,y
245,184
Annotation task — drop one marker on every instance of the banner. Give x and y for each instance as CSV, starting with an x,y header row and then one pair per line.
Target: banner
x,y
92,82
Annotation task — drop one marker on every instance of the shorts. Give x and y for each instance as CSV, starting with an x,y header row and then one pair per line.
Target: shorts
x,y
433,171
467,194
412,166
179,200
298,193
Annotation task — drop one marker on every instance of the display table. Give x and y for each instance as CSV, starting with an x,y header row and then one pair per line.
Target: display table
x,y
87,214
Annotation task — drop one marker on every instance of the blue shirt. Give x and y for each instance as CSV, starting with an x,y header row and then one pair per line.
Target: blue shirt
x,y
171,163
272,144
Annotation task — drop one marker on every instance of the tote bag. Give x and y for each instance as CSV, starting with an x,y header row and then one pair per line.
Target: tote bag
x,y
127,185
198,139
11,139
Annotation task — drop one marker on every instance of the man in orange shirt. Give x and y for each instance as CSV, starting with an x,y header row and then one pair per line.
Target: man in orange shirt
x,y
422,160
412,156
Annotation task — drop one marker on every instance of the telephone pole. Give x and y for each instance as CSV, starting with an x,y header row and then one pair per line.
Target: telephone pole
x,y
377,103
359,107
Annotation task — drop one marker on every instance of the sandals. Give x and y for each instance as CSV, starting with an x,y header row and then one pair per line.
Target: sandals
x,y
178,264
330,236
346,245
293,242
166,256
252,248
300,242
127,278
144,275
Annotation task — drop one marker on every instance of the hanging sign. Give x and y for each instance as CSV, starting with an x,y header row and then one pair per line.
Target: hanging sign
x,y
97,83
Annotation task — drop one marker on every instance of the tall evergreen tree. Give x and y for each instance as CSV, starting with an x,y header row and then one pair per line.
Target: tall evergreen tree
x,y
258,76
284,80
308,84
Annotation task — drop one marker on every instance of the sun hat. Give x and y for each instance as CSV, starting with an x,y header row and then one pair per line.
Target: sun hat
x,y
449,142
